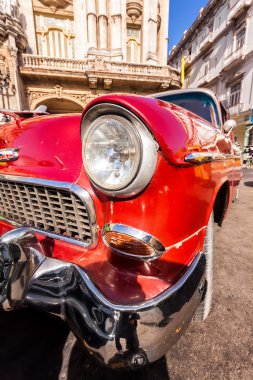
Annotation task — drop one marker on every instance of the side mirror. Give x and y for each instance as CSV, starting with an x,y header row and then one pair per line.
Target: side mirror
x,y
228,126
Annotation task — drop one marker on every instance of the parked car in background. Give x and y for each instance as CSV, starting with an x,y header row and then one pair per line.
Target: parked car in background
x,y
107,218
247,156
9,115
4,118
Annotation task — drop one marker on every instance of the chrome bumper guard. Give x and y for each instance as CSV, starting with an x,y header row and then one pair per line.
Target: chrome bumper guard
x,y
117,335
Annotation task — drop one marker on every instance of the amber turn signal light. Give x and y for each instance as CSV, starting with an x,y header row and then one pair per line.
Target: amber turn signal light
x,y
131,242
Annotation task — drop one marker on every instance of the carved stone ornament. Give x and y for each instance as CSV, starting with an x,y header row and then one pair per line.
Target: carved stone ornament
x,y
10,25
13,51
134,9
55,4
58,91
36,95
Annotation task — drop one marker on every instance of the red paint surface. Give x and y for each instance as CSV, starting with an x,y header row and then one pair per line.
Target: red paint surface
x,y
177,202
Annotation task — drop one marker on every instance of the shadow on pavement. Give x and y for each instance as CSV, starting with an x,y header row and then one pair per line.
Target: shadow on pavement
x,y
249,183
32,345
89,370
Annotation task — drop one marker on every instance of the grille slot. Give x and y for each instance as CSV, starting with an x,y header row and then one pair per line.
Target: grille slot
x,y
51,210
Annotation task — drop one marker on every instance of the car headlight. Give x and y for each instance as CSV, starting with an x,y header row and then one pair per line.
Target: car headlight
x,y
112,152
119,153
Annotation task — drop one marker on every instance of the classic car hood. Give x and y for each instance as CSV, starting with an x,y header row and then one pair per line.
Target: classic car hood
x,y
49,147
177,130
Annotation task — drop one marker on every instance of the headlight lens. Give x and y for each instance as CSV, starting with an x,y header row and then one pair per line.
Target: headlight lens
x,y
112,152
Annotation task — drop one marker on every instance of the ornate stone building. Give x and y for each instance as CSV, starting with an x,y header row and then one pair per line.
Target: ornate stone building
x,y
217,51
78,49
12,41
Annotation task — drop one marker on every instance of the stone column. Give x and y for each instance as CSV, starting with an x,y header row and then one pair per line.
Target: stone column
x,y
116,30
152,32
92,23
124,29
145,31
27,20
13,52
163,33
102,25
80,23
7,6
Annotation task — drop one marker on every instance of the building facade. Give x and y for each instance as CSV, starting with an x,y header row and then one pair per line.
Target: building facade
x,y
12,41
217,53
75,50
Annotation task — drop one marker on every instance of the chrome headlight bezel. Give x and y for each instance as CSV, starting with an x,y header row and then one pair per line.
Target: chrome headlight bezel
x,y
146,144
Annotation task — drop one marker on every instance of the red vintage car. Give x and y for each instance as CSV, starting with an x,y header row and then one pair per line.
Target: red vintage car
x,y
107,217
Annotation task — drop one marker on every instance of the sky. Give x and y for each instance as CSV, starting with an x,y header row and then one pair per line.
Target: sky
x,y
182,14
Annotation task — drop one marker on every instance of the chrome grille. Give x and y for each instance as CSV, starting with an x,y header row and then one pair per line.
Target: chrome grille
x,y
49,209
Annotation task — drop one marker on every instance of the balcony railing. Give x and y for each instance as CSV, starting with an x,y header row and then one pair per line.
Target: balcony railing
x,y
237,7
38,63
234,56
238,108
204,79
233,3
188,60
206,41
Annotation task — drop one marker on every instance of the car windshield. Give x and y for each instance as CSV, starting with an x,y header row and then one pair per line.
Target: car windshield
x,y
199,103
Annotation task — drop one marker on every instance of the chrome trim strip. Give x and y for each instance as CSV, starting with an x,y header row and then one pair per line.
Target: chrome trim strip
x,y
37,181
86,198
76,189
233,157
180,243
148,239
11,151
199,158
48,234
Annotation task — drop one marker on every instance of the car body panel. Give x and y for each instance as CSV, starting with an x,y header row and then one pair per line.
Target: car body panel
x,y
174,208
165,209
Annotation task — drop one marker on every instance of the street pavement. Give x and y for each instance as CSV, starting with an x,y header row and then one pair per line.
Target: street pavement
x,y
32,343
222,347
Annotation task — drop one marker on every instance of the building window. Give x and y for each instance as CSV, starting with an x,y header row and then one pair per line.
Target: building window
x,y
240,38
203,35
133,44
229,47
175,64
210,27
55,37
235,94
187,81
206,68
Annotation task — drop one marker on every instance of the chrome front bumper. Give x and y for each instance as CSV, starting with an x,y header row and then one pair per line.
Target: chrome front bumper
x,y
117,335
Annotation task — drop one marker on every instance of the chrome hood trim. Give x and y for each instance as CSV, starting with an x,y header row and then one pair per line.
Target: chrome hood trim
x,y
199,158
